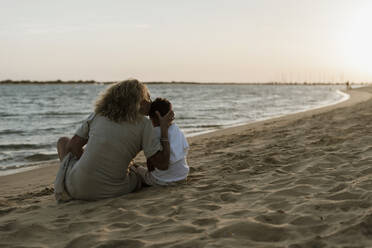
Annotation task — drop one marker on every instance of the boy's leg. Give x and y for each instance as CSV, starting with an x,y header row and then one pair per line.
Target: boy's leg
x,y
147,179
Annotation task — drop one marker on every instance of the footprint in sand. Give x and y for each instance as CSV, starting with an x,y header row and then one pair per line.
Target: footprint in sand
x,y
254,231
205,221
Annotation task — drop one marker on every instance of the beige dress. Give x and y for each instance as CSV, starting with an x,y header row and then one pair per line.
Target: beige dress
x,y
102,171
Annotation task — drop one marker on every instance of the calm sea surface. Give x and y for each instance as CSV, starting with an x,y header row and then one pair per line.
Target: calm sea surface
x,y
32,117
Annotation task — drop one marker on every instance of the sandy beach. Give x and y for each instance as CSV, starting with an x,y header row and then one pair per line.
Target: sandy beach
x,y
301,180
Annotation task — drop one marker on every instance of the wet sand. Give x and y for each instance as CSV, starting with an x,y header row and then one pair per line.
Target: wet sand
x,y
302,180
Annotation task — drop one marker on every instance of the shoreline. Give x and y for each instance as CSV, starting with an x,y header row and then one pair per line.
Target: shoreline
x,y
41,164
342,92
355,96
299,180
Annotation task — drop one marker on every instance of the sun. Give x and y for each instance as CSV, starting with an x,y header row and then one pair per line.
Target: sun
x,y
358,42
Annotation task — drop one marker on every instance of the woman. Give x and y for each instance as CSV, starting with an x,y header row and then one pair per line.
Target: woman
x,y
113,135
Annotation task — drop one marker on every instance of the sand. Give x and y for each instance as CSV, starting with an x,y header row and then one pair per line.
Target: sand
x,y
302,180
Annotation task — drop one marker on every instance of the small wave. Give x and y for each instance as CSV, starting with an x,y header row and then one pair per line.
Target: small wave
x,y
14,168
3,114
45,129
6,159
201,126
53,113
182,117
75,122
22,146
41,157
10,131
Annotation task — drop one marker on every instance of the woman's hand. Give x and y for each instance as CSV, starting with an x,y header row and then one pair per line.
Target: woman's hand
x,y
150,166
166,120
75,146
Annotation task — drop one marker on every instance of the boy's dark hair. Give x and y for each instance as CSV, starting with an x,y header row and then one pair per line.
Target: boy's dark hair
x,y
160,104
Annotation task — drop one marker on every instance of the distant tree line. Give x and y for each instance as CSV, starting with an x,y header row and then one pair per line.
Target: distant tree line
x,y
8,81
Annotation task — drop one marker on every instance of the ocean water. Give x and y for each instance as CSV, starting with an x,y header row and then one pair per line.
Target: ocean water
x,y
33,117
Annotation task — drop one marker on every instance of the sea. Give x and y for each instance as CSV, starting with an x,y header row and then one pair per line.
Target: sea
x,y
33,116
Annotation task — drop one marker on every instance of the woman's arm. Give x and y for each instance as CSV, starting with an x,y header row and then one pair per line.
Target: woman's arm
x,y
75,146
161,159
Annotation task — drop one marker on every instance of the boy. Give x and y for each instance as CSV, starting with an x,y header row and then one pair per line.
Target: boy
x,y
178,168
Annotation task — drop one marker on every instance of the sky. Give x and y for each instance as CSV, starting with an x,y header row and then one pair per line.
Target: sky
x,y
193,40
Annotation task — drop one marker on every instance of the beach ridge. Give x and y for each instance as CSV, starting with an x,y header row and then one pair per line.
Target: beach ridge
x,y
300,180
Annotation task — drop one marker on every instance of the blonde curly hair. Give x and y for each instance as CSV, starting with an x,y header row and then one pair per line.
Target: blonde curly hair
x,y
122,101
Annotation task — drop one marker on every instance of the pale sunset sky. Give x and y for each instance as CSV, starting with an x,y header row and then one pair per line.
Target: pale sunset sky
x,y
193,40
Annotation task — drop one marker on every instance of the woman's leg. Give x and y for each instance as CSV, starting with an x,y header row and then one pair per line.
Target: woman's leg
x,y
62,147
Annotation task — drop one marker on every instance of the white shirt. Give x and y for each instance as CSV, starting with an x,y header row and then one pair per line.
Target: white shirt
x,y
178,168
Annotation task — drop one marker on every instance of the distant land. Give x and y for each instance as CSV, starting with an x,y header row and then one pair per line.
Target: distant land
x,y
174,82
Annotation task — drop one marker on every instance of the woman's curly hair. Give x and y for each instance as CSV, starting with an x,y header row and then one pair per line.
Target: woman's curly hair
x,y
121,101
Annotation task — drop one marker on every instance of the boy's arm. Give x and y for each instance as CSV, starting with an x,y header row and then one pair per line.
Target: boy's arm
x,y
161,159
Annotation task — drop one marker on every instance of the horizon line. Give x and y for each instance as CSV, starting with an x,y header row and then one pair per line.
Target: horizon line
x,y
58,81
